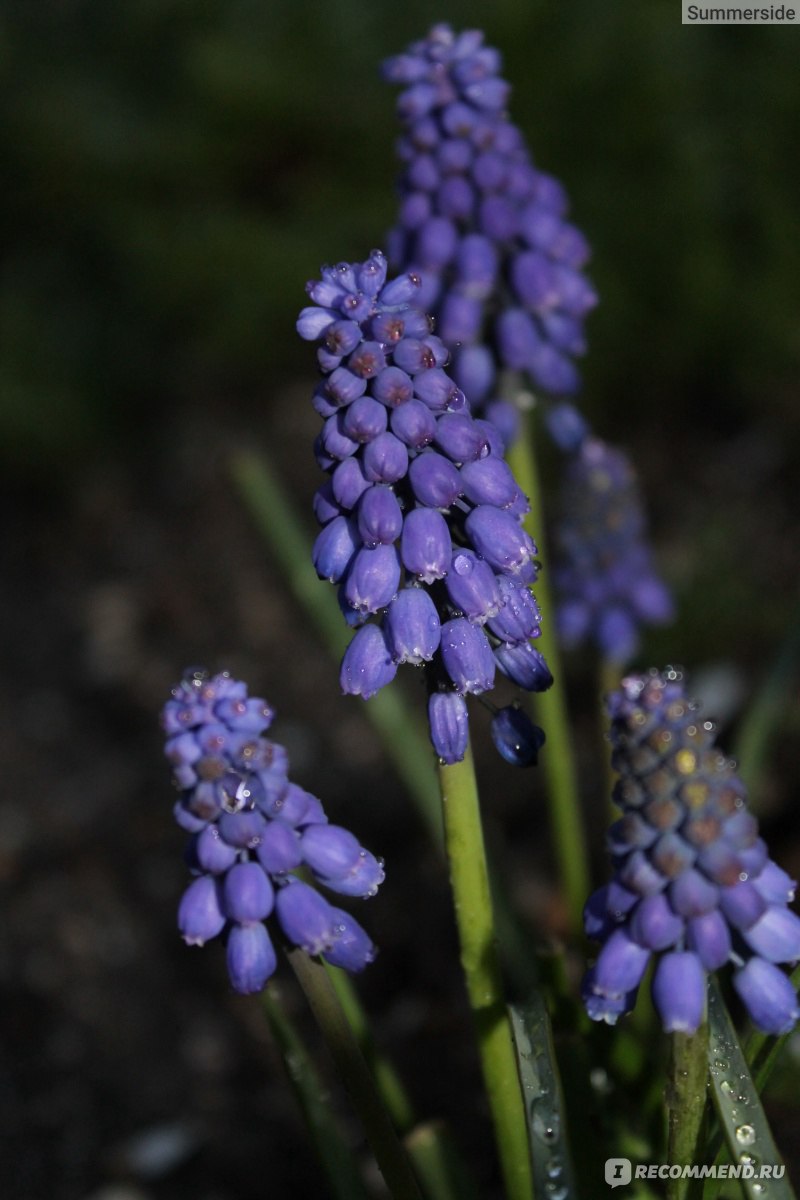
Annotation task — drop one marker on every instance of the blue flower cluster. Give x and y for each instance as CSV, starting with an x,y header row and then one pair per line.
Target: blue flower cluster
x,y
603,570
693,883
485,230
251,831
421,515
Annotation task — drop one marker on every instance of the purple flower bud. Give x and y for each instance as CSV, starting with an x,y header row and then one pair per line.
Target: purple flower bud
x,y
679,992
455,197
472,586
212,853
518,618
525,666
251,958
279,849
412,627
334,441
425,545
436,242
334,548
363,879
401,290
620,965
516,738
325,506
742,904
517,338
247,893
393,387
242,829
364,419
477,266
566,426
654,925
467,656
774,884
306,917
313,322
385,460
602,1007
448,721
499,538
200,915
460,438
344,387
434,480
373,578
367,665
367,361
709,937
380,519
768,996
775,936
352,949
439,391
474,371
348,483
489,481
497,218
329,850
414,424
461,319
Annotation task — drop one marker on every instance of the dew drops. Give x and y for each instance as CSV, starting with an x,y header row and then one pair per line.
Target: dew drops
x,y
745,1135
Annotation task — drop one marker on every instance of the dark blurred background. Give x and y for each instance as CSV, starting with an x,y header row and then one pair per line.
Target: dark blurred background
x,y
175,171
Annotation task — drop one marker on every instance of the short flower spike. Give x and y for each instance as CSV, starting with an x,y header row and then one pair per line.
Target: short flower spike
x,y
251,829
693,885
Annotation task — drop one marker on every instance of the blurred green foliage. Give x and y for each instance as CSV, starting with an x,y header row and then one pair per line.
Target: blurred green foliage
x,y
176,169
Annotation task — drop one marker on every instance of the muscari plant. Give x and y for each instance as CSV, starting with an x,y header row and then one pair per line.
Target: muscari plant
x,y
431,536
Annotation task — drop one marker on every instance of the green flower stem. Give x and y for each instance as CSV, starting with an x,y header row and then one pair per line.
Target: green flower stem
x,y
389,1152
404,738
686,1099
389,1085
334,1153
551,707
479,959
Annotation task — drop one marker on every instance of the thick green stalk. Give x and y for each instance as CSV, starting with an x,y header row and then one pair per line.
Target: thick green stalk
x,y
686,1098
479,959
389,1152
558,760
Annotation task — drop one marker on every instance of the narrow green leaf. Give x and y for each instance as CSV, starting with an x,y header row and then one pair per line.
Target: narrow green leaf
x,y
335,1156
744,1124
553,1176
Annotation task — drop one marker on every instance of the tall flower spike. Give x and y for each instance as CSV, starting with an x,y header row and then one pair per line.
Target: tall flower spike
x,y
251,830
604,575
421,516
693,886
485,230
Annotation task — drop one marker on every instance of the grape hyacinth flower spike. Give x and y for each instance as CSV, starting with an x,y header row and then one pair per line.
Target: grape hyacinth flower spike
x,y
693,887
421,514
251,831
604,575
486,231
